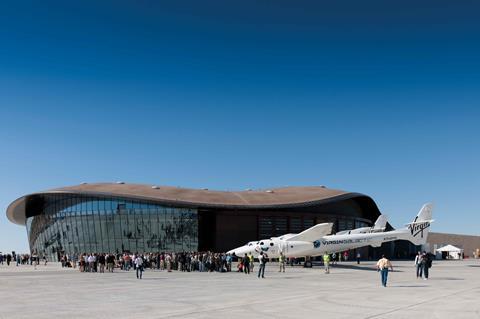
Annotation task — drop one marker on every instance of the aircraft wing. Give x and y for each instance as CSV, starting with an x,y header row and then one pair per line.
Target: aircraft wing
x,y
344,232
287,236
313,233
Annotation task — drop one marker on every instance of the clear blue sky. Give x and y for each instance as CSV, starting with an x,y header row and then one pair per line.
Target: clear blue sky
x,y
381,98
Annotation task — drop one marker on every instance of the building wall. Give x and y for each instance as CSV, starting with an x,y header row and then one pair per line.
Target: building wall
x,y
233,230
467,242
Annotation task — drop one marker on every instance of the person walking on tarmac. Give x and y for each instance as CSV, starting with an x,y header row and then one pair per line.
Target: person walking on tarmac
x,y
139,266
383,264
246,264
281,262
418,264
426,263
326,262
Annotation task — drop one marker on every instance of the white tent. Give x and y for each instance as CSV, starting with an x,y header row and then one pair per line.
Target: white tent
x,y
453,252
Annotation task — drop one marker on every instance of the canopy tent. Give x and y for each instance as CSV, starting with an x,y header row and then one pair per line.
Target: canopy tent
x,y
451,251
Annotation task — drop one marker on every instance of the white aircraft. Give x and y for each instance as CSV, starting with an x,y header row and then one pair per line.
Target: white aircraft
x,y
318,230
316,240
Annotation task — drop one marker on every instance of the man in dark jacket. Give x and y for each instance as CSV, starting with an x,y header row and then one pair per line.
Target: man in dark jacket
x,y
426,264
246,264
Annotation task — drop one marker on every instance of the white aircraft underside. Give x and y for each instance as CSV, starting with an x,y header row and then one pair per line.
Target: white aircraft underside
x,y
316,240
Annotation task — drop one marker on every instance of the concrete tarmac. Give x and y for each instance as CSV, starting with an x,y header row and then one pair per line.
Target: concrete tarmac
x,y
453,291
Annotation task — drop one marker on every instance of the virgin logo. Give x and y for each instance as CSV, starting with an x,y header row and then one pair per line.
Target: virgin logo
x,y
418,228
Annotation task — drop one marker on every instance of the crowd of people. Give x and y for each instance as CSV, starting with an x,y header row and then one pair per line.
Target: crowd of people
x,y
196,262
21,259
168,261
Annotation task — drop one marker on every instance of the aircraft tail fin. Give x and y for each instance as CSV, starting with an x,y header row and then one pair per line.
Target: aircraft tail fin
x,y
313,233
380,224
419,227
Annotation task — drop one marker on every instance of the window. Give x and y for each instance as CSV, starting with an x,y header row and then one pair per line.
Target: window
x,y
72,224
296,225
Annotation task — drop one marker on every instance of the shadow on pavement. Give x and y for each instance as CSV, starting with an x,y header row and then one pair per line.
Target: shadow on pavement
x,y
448,278
358,267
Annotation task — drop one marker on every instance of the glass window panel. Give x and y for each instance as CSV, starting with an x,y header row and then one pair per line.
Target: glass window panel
x,y
99,238
342,225
281,224
350,224
265,227
295,225
308,222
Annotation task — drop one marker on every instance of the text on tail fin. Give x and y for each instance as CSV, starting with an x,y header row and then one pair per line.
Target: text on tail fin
x,y
421,222
418,227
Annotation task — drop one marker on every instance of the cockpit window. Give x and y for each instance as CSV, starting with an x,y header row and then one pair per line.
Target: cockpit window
x,y
261,243
271,244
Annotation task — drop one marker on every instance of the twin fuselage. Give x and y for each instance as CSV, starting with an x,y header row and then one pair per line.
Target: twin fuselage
x,y
315,242
326,244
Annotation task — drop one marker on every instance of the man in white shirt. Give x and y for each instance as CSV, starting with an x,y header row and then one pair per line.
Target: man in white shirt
x,y
139,266
418,264
382,265
90,261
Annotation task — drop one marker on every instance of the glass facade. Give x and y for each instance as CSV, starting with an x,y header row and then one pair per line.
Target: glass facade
x,y
272,226
73,224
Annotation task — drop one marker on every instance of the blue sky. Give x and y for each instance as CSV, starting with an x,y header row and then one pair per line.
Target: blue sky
x,y
373,97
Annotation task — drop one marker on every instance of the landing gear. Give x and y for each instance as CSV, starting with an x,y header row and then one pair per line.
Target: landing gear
x,y
308,262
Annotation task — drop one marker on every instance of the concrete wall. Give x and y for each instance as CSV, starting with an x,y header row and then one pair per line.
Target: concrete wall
x,y
467,242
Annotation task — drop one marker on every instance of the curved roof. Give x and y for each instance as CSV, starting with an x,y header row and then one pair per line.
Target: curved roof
x,y
273,198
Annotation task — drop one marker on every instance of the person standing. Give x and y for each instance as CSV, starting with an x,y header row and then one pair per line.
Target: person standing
x,y
110,262
168,260
358,258
281,262
262,260
426,263
382,265
34,260
418,264
139,266
101,262
246,264
229,263
326,262
251,263
90,261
